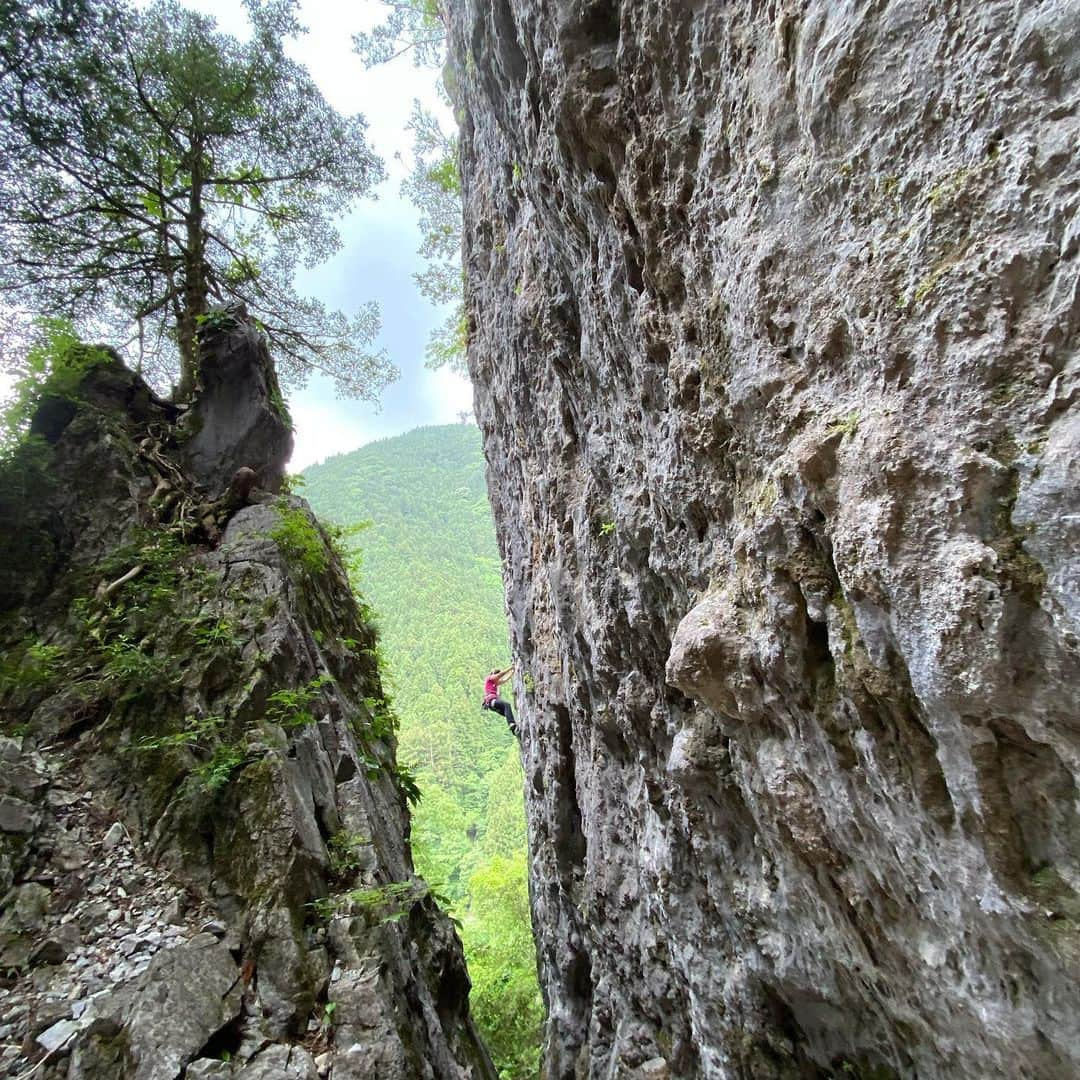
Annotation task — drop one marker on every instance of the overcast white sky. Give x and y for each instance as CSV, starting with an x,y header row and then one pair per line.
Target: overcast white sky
x,y
381,237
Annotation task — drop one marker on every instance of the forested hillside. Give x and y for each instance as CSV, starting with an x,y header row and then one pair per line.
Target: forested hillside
x,y
429,568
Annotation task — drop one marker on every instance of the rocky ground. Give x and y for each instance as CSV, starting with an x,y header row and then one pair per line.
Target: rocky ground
x,y
88,915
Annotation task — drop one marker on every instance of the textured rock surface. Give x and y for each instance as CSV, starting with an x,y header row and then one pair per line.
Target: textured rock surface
x,y
238,418
773,314
201,744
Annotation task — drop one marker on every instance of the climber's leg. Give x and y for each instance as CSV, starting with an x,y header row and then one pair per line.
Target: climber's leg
x,y
503,707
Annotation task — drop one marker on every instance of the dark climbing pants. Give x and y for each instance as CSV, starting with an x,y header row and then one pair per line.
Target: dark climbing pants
x,y
503,708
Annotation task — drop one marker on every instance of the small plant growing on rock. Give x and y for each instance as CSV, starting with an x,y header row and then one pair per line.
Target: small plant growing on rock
x,y
216,773
846,426
36,666
300,540
292,708
54,367
202,736
127,661
406,781
291,483
384,721
343,849
199,732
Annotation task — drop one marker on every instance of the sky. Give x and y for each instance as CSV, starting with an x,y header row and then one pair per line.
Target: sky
x,y
380,237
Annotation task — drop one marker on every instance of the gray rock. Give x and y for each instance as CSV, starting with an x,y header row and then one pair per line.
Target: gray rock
x,y
237,419
55,948
26,906
254,846
773,338
45,1014
23,782
52,1038
168,1014
114,837
280,1063
205,1068
17,816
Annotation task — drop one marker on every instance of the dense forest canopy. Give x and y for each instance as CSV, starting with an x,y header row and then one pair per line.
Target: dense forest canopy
x,y
430,568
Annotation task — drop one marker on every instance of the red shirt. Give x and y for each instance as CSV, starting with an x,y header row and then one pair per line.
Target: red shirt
x,y
491,688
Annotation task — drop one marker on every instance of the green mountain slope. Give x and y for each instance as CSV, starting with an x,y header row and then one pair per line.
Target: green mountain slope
x,y
429,567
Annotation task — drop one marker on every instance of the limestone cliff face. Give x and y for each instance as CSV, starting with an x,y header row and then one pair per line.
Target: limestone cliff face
x,y
204,867
773,314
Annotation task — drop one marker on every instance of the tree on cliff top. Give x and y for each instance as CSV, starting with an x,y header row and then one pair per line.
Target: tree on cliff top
x,y
152,166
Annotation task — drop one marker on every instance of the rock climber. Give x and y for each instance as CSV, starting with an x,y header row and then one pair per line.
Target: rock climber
x,y
491,696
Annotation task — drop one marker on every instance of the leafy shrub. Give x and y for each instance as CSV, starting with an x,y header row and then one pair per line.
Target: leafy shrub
x,y
292,708
300,540
343,848
54,366
31,666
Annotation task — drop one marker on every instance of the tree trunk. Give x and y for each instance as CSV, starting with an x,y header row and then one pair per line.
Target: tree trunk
x,y
194,285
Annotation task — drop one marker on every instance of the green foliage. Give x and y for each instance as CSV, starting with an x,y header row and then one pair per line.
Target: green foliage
x,y
498,939
214,774
847,426
416,26
200,732
431,569
607,528
280,408
204,737
406,781
292,708
126,661
292,484
32,665
341,538
434,184
214,635
343,848
55,364
119,631
434,188
300,540
150,162
379,903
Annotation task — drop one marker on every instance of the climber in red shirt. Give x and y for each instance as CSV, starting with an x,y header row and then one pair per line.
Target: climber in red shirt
x,y
491,696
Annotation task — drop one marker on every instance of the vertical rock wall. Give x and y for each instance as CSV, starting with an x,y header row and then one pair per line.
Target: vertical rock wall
x,y
773,313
